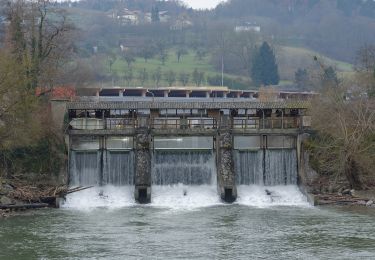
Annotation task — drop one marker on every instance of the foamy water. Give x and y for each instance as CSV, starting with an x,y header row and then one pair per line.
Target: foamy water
x,y
183,197
96,197
270,196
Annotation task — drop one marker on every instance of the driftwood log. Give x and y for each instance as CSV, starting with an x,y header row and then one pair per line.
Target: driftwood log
x,y
329,199
33,198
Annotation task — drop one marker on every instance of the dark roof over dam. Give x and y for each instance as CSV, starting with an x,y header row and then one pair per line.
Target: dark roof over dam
x,y
148,103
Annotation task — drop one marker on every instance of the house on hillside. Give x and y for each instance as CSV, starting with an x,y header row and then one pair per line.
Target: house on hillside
x,y
248,27
125,16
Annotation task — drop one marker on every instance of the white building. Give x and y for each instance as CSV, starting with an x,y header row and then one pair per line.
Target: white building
x,y
248,27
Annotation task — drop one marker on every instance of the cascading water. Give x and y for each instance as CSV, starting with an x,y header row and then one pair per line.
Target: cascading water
x,y
184,179
89,168
84,168
268,178
280,167
269,167
249,167
111,174
183,167
118,168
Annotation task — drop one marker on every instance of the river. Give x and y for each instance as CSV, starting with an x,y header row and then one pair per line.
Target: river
x,y
190,223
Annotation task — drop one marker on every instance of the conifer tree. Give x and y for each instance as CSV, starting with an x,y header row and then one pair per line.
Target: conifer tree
x,y
265,70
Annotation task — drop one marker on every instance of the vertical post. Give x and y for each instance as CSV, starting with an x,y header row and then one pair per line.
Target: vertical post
x,y
263,119
264,149
142,192
226,174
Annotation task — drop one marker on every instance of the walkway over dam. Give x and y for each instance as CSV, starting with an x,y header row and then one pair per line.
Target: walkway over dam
x,y
146,141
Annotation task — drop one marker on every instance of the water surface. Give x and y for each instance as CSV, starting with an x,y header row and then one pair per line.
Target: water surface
x,y
187,227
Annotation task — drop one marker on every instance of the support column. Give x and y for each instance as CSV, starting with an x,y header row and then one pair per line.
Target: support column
x,y
142,192
226,174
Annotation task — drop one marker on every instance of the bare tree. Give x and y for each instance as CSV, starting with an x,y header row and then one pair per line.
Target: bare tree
x,y
345,142
40,34
365,60
128,76
180,52
156,76
198,77
170,77
184,78
129,57
143,76
365,67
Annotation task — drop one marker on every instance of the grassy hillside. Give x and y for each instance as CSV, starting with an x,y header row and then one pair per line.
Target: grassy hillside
x,y
289,60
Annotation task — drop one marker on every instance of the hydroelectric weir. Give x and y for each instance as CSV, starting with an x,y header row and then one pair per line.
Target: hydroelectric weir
x,y
169,137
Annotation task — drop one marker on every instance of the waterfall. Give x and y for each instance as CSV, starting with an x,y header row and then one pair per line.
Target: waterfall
x,y
269,167
280,167
118,168
84,170
249,167
88,168
183,167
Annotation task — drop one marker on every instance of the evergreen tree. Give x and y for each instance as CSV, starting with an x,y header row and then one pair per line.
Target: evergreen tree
x,y
330,77
155,14
301,78
265,70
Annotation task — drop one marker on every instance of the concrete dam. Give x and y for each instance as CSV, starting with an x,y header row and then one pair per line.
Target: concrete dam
x,y
144,140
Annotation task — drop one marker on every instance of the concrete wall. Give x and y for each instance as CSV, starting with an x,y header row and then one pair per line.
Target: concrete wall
x,y
58,110
184,142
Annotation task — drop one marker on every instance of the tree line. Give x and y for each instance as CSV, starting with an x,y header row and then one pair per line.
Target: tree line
x,y
36,46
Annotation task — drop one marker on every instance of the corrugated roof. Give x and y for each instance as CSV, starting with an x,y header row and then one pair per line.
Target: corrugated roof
x,y
188,105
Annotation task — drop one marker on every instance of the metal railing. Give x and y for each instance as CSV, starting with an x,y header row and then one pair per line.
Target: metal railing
x,y
184,123
266,123
120,123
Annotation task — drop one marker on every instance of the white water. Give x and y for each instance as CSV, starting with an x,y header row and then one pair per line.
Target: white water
x,y
270,167
184,197
118,168
84,168
186,167
96,197
186,180
256,196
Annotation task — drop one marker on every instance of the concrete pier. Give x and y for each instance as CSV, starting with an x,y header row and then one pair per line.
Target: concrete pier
x,y
225,167
142,192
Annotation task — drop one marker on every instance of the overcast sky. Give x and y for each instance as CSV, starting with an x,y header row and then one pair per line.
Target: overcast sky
x,y
201,4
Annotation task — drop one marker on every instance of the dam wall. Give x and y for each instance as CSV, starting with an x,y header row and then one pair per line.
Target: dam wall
x,y
157,143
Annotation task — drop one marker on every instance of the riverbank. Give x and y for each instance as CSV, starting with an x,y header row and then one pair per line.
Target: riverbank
x,y
18,195
324,190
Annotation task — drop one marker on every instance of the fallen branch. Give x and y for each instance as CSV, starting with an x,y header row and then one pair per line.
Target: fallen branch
x,y
78,189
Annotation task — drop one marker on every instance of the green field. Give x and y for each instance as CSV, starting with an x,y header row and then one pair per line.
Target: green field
x,y
188,63
289,60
